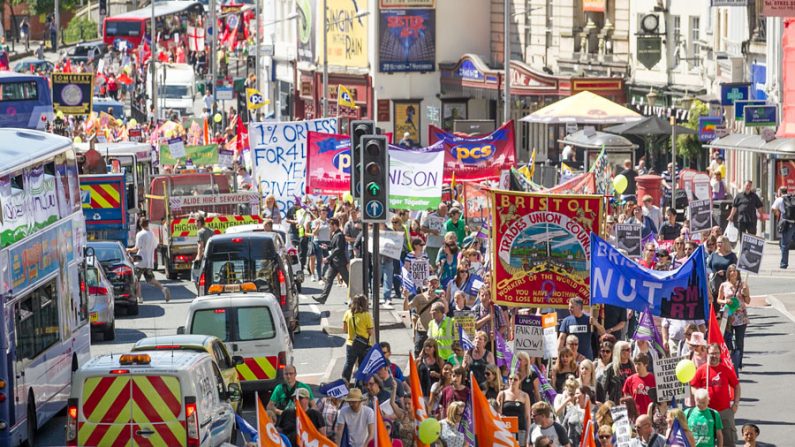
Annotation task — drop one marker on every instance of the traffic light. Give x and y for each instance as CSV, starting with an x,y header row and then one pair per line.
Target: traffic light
x,y
358,129
103,8
375,178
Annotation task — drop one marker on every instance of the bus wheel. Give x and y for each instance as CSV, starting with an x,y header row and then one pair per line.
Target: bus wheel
x,y
31,441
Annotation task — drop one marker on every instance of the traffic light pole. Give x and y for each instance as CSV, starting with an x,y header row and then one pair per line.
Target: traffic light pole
x,y
376,283
365,262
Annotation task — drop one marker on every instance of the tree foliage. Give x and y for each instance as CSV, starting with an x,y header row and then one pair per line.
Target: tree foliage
x,y
688,146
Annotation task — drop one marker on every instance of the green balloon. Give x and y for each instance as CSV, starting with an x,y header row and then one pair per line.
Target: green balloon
x,y
620,183
429,430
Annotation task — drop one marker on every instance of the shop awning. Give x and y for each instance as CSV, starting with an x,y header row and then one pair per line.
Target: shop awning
x,y
754,143
583,108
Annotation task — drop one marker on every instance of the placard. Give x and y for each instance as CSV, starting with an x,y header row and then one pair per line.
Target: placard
x,y
201,155
751,248
390,243
225,158
621,425
176,147
668,385
628,238
466,319
528,335
700,215
549,323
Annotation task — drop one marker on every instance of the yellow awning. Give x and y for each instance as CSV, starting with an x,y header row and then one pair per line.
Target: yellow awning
x,y
583,108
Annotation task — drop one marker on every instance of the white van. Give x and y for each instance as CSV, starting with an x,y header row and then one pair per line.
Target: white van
x,y
176,89
174,398
252,326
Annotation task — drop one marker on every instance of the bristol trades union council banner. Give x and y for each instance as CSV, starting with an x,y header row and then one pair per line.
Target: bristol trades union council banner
x,y
542,247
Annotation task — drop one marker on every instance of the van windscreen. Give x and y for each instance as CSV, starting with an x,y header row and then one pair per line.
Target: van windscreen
x,y
241,260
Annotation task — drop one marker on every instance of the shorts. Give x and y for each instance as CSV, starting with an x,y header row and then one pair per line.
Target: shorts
x,y
149,275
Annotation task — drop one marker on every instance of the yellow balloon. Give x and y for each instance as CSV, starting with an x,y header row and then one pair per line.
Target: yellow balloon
x,y
59,115
685,370
347,197
78,140
218,118
133,122
620,183
119,122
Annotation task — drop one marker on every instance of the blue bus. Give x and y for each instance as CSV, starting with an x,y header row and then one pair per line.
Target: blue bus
x,y
45,317
25,101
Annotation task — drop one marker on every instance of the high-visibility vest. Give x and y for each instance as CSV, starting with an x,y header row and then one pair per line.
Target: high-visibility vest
x,y
444,335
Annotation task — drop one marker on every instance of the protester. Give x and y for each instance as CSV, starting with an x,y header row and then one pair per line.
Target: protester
x,y
432,226
337,261
646,436
611,385
718,262
477,358
456,391
575,414
359,420
723,392
441,328
287,421
420,307
745,207
512,401
145,246
705,423
545,426
579,324
357,323
734,296
429,365
670,229
450,435
679,415
784,211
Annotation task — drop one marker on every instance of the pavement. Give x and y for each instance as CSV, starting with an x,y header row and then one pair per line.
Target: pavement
x,y
773,285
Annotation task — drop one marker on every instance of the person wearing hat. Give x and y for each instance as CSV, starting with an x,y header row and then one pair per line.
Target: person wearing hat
x,y
673,332
456,225
287,421
698,348
359,418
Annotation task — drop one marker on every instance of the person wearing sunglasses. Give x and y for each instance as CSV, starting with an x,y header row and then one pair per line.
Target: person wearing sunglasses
x,y
544,426
512,401
450,436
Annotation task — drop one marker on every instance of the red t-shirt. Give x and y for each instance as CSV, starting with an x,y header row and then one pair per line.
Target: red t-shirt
x,y
642,389
722,382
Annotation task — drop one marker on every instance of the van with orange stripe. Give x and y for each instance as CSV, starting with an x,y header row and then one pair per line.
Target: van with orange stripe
x,y
252,326
152,398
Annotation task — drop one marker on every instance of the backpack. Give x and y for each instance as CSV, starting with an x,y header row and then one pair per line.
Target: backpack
x,y
714,420
789,208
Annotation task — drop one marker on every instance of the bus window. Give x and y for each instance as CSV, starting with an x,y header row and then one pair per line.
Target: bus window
x,y
19,91
122,28
37,322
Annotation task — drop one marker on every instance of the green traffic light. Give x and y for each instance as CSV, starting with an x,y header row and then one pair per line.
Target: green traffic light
x,y
373,188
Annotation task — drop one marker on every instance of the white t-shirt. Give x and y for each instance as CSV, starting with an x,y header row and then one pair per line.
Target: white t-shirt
x,y
357,423
146,244
434,222
778,204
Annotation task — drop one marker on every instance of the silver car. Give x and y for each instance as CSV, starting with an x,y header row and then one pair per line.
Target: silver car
x,y
100,302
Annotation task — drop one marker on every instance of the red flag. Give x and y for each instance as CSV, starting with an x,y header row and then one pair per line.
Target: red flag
x,y
206,131
716,336
382,438
306,432
489,428
242,133
587,439
417,401
67,66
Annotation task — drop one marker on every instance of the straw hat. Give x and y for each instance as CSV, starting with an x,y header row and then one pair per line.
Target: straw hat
x,y
354,395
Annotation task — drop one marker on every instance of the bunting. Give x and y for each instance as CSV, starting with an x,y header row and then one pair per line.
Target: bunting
x,y
489,429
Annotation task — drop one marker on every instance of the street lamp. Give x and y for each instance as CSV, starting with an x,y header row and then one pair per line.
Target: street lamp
x,y
652,97
326,25
258,41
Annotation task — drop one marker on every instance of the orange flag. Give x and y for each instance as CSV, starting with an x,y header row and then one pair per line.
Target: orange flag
x,y
382,438
417,400
206,131
587,439
489,428
306,433
268,435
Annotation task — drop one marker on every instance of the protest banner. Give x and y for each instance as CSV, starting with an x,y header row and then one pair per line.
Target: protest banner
x,y
415,175
700,215
203,155
541,247
479,157
751,248
278,156
72,93
668,386
621,425
390,243
549,323
628,238
176,146
225,158
528,335
619,281
467,319
476,204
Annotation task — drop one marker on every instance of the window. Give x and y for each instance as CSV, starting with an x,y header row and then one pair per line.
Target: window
x,y
123,28
255,323
173,91
695,34
37,323
221,356
92,277
19,91
677,35
210,322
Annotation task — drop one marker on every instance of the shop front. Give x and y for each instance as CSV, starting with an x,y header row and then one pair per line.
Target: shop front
x,y
470,89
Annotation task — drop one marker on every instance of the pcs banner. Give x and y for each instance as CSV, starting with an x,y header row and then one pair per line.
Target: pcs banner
x,y
72,93
479,157
541,247
679,294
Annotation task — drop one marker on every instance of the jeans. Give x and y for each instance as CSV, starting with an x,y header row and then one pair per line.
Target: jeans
x,y
354,354
784,241
303,251
735,342
387,273
320,253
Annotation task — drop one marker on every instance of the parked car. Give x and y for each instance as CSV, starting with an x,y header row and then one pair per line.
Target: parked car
x,y
120,271
80,52
100,301
199,343
258,257
34,66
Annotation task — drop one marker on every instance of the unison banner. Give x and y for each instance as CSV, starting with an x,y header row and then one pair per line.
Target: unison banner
x,y
278,155
415,175
476,158
542,247
679,294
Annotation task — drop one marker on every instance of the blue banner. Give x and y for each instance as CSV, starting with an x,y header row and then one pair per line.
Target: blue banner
x,y
758,75
337,388
372,362
679,294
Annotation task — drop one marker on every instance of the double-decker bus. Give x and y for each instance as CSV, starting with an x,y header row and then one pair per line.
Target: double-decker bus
x,y
44,311
25,101
133,26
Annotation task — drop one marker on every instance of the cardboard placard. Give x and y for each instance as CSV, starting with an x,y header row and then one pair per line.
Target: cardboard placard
x,y
751,248
549,323
390,243
176,147
528,335
628,238
668,386
700,215
467,320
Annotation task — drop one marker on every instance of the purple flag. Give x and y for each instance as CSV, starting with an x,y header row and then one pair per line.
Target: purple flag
x,y
546,388
646,330
504,355
467,426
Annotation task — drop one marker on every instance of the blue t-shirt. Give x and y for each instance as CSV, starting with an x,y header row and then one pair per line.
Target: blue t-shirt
x,y
580,327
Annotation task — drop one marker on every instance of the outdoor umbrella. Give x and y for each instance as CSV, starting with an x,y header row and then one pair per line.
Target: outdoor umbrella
x,y
647,127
